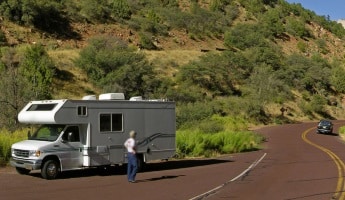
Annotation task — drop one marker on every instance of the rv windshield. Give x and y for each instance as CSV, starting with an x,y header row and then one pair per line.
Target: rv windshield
x,y
48,132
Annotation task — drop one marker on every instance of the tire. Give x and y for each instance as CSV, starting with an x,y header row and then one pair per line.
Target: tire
x,y
140,163
50,170
22,171
104,170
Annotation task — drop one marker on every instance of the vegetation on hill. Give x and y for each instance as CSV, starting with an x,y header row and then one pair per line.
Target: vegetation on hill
x,y
261,61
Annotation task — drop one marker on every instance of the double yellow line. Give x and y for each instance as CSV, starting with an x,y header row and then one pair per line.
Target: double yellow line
x,y
340,190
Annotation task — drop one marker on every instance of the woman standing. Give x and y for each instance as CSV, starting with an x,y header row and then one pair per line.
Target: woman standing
x,y
132,159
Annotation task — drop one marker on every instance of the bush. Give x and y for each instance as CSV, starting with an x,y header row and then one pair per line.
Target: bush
x,y
6,140
195,144
244,36
341,130
190,113
302,47
318,103
211,126
112,65
297,28
3,40
120,9
216,135
146,42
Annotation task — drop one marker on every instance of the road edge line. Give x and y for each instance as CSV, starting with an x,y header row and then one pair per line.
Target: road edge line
x,y
201,196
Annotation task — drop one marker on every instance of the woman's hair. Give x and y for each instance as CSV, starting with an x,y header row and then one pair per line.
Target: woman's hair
x,y
132,134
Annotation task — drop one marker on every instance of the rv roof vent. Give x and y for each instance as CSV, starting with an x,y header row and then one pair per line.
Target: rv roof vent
x,y
112,96
137,98
89,97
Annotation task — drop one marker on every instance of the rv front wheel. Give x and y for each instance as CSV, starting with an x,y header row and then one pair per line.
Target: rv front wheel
x,y
22,170
50,169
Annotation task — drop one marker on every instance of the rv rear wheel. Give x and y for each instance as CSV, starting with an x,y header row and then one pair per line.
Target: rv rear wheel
x,y
140,163
104,170
22,170
50,169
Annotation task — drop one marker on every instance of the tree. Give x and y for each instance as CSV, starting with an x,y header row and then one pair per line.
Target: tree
x,y
213,73
133,79
112,65
95,10
38,69
3,40
272,22
297,28
266,87
337,79
120,9
14,93
244,36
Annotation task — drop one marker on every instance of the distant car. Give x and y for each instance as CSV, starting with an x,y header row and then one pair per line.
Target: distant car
x,y
325,126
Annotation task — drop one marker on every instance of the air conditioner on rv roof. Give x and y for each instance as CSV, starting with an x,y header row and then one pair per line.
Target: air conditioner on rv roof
x,y
137,98
89,97
112,96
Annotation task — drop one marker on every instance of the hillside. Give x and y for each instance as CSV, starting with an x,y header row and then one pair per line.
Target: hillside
x,y
177,46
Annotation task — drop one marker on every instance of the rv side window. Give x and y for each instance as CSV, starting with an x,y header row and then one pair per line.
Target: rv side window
x,y
110,122
116,122
81,111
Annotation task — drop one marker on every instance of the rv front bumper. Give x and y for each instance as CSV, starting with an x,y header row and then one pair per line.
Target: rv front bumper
x,y
27,164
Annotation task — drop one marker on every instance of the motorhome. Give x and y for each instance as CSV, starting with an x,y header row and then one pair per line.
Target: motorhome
x,y
79,134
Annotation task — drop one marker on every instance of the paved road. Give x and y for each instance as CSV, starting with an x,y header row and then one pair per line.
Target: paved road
x,y
300,164
296,163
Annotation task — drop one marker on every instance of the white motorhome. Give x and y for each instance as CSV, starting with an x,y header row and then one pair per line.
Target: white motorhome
x,y
78,134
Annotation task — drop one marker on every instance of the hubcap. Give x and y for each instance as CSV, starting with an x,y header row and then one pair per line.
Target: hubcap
x,y
51,169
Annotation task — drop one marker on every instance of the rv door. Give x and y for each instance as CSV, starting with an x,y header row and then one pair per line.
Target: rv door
x,y
72,156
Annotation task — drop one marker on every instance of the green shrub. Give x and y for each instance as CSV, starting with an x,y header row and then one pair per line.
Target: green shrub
x,y
318,103
3,39
194,143
305,108
6,140
192,112
146,42
211,126
341,130
302,47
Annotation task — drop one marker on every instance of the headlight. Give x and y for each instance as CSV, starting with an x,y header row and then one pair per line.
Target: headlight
x,y
35,153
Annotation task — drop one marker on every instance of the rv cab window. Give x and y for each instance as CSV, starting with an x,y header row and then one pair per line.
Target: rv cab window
x,y
71,134
47,132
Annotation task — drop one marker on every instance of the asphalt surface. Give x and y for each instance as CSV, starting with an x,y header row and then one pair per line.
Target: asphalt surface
x,y
300,164
295,163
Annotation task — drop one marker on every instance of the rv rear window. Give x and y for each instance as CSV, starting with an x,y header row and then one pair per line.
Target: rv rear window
x,y
111,122
42,107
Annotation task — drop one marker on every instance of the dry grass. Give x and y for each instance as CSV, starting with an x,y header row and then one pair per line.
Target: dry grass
x,y
75,84
180,57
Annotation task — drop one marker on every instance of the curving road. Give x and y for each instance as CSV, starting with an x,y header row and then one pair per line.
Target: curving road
x,y
295,163
300,164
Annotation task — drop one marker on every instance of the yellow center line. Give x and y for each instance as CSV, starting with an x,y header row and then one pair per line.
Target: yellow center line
x,y
340,190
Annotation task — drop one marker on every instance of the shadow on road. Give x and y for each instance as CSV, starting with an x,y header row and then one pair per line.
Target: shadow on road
x,y
159,178
148,167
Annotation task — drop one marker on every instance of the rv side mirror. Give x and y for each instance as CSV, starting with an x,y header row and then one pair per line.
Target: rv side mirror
x,y
64,139
70,136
